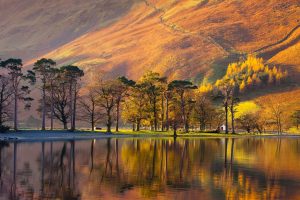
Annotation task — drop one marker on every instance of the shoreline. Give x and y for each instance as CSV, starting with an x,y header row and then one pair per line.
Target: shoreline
x,y
36,135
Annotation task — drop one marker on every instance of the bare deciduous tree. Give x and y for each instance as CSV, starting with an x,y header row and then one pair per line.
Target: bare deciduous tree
x,y
89,109
18,81
6,94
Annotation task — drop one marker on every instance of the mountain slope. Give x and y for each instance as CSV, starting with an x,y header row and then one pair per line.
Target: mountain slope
x,y
189,39
181,39
31,28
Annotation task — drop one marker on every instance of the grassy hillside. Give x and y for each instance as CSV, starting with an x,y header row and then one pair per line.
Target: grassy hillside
x,y
32,28
186,39
182,39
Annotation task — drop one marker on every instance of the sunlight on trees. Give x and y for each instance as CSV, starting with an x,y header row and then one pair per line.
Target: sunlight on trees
x,y
151,103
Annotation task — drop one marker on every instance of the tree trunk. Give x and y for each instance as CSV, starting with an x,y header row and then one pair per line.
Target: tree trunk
x,y
226,117
16,111
279,126
232,118
162,113
44,107
1,112
71,105
186,127
202,125
138,124
108,123
52,108
73,113
93,123
65,125
155,115
118,115
174,130
248,130
167,114
93,116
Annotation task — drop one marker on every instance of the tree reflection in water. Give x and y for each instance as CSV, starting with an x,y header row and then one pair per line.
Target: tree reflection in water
x,y
141,168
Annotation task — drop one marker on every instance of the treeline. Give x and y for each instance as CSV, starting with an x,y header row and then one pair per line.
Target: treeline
x,y
152,102
58,86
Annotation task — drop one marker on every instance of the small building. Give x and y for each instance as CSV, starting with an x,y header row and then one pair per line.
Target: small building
x,y
222,127
97,128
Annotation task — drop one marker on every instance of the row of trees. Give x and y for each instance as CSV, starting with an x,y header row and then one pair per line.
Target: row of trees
x,y
151,102
59,89
14,87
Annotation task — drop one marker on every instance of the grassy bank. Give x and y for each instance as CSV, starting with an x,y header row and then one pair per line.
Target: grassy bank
x,y
59,135
182,134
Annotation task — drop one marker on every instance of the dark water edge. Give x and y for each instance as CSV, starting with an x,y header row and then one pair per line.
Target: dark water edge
x,y
152,168
61,135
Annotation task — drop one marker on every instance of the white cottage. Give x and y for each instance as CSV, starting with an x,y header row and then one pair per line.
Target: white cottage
x,y
222,128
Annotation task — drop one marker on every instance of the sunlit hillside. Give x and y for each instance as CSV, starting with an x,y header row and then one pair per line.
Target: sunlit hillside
x,y
182,39
187,39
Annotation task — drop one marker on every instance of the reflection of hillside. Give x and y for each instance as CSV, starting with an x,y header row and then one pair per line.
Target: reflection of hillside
x,y
242,182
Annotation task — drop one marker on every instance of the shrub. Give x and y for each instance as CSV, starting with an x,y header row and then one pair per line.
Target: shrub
x,y
4,129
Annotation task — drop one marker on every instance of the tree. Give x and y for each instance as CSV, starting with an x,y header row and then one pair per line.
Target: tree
x,y
90,111
203,109
107,91
232,107
296,118
42,69
275,106
251,121
168,96
6,94
18,82
136,106
247,121
218,119
73,74
261,121
122,92
175,117
61,100
151,82
180,88
53,75
226,88
164,104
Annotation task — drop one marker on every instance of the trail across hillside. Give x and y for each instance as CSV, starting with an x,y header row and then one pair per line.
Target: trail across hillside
x,y
178,29
280,41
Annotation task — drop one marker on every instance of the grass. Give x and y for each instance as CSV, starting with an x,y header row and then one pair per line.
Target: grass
x,y
61,135
293,130
182,134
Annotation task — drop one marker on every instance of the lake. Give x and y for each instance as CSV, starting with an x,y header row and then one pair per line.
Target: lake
x,y
149,168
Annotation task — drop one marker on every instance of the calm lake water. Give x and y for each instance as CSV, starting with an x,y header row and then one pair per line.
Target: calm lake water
x,y
244,168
